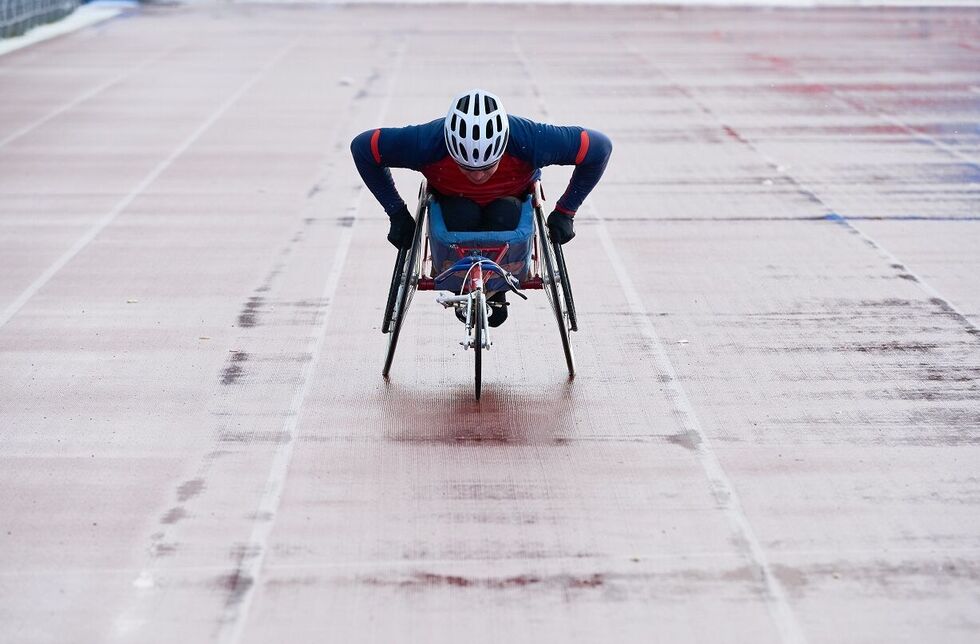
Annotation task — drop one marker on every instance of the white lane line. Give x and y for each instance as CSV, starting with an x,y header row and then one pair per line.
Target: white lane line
x,y
236,616
81,98
908,129
922,283
802,185
15,306
721,486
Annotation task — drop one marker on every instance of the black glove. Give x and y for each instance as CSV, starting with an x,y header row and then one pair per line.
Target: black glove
x,y
402,230
561,227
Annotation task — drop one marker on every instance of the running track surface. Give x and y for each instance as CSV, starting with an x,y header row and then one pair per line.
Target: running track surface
x,y
773,436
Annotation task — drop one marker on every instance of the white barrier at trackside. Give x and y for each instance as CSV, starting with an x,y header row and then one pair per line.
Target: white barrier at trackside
x,y
84,16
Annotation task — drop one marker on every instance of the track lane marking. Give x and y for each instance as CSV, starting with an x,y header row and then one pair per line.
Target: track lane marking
x,y
832,215
12,309
721,486
235,617
888,256
84,96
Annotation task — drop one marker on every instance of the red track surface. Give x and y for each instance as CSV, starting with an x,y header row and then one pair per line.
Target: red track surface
x,y
773,436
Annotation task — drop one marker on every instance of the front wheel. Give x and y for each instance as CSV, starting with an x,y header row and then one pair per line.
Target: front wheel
x,y
478,359
480,320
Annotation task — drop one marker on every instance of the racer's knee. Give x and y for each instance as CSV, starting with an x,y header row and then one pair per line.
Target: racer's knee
x,y
502,214
460,213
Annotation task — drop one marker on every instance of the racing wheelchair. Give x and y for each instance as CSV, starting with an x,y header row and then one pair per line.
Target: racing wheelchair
x,y
471,266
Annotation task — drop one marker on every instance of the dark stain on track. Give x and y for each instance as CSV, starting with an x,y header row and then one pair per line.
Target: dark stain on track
x,y
903,347
433,580
234,371
688,440
249,315
236,585
189,489
174,515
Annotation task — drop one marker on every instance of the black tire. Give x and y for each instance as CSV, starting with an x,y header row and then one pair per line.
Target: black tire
x,y
555,294
566,286
478,347
407,285
396,279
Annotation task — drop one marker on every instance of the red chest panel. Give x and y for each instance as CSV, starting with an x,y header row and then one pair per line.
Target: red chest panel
x,y
512,179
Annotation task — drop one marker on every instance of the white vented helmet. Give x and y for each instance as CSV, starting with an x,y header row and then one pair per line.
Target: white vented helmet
x,y
476,129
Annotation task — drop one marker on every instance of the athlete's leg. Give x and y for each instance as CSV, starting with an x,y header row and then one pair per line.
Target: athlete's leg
x,y
502,214
460,213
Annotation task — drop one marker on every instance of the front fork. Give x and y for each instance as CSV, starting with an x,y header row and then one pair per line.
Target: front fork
x,y
476,310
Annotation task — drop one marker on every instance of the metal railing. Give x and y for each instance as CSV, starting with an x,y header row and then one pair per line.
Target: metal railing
x,y
17,16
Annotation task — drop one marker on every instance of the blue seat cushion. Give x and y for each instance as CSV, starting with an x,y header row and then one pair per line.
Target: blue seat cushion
x,y
443,244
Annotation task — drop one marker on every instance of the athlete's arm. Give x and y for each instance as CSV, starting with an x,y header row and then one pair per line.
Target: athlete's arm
x,y
588,150
377,150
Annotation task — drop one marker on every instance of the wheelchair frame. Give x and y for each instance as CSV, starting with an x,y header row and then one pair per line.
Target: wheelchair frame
x,y
413,272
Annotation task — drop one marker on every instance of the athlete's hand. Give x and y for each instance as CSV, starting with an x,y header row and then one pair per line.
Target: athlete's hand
x,y
561,227
402,229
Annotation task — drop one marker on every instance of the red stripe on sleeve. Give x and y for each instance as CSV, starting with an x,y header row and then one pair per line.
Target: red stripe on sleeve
x,y
377,152
583,148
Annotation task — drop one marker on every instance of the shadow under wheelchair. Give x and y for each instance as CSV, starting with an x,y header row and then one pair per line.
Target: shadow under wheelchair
x,y
506,415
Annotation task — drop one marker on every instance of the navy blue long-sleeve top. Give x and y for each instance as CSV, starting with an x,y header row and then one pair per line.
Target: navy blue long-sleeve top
x,y
531,146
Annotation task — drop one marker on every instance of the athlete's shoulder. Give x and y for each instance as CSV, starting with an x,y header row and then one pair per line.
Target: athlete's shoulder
x,y
520,142
408,146
423,137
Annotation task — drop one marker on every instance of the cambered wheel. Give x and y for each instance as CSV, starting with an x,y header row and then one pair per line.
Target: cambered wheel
x,y
396,278
554,291
566,286
407,284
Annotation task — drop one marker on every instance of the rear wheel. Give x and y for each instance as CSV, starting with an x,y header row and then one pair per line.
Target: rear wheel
x,y
396,278
406,286
566,286
555,293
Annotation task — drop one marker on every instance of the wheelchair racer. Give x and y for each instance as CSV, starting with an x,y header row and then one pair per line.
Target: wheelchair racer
x,y
480,163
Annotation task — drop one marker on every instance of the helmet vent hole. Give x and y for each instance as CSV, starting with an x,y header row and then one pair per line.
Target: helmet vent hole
x,y
489,129
476,105
462,129
486,155
452,126
500,124
476,132
462,151
464,104
489,103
